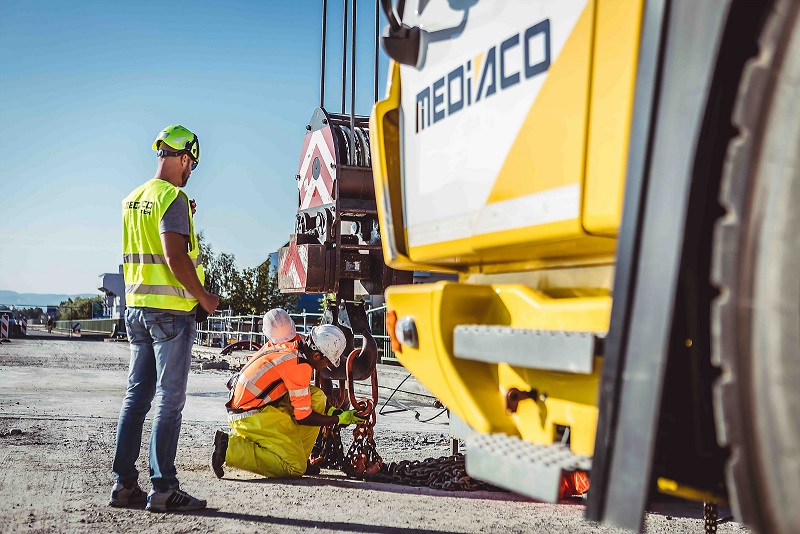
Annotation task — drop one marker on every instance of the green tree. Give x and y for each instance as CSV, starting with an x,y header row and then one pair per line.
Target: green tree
x,y
325,300
80,308
247,291
31,313
222,276
261,290
229,280
208,260
205,251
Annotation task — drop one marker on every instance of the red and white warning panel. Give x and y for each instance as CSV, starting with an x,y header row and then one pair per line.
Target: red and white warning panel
x,y
317,172
294,275
4,327
336,239
293,264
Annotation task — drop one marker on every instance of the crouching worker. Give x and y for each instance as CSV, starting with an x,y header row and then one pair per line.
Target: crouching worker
x,y
274,413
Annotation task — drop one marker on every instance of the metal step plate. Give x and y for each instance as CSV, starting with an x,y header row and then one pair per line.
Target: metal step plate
x,y
550,350
516,465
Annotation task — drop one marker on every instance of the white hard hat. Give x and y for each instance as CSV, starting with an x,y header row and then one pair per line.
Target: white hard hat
x,y
278,326
329,340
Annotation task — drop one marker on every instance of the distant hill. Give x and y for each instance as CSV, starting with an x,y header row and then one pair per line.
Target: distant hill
x,y
12,298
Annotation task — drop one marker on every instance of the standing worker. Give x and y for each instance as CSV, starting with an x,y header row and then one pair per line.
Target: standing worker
x,y
163,290
273,410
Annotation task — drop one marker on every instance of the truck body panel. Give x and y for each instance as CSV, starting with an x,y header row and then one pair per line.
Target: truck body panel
x,y
578,203
503,108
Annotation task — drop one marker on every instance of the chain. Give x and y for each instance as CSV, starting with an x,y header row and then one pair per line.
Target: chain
x,y
328,451
363,461
362,458
710,512
446,473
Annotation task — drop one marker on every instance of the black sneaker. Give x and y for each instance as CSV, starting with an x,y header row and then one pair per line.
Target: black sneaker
x,y
218,456
173,501
127,495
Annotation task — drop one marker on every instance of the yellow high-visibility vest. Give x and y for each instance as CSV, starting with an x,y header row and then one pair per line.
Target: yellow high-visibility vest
x,y
149,282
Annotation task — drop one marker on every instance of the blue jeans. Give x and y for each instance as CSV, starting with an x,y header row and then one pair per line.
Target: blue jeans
x,y
161,353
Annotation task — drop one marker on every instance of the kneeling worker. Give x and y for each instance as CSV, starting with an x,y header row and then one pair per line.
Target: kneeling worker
x,y
274,412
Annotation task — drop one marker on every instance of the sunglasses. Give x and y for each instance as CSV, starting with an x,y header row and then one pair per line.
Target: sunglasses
x,y
167,153
311,344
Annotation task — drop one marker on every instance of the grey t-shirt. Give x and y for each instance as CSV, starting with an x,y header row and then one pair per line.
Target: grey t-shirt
x,y
176,218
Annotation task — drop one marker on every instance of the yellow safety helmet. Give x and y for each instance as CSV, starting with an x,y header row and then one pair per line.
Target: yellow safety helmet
x,y
180,139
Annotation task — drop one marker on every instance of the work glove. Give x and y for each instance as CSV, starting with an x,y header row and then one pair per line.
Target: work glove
x,y
347,417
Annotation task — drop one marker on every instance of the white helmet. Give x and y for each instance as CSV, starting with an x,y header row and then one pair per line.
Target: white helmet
x,y
329,340
278,326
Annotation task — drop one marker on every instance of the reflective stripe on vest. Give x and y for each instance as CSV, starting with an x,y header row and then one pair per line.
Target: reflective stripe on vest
x,y
269,364
299,392
144,289
151,259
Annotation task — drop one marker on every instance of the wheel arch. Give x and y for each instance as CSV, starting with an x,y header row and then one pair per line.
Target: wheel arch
x,y
681,131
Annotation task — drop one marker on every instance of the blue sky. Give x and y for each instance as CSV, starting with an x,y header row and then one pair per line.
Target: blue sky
x,y
86,86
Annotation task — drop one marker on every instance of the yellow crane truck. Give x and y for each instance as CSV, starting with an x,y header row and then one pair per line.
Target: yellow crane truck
x,y
616,183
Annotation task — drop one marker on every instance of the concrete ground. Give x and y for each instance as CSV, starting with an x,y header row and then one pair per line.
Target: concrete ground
x,y
59,399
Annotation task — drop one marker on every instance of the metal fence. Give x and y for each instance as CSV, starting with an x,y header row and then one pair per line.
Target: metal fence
x,y
224,328
105,326
377,325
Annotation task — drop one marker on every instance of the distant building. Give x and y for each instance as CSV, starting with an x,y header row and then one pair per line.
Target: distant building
x,y
309,302
113,287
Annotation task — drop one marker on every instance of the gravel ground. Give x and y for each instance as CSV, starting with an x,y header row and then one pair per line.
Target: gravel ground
x,y
59,400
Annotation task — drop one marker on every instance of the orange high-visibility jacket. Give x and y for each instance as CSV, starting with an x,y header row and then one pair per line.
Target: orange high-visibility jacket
x,y
267,376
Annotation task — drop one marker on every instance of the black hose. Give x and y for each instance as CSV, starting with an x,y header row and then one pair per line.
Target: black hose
x,y
403,407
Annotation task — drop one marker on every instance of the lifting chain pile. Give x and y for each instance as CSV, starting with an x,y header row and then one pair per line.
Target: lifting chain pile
x,y
328,451
363,461
446,473
362,458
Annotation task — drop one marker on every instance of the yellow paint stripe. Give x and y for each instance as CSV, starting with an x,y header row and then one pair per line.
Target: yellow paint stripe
x,y
476,71
549,149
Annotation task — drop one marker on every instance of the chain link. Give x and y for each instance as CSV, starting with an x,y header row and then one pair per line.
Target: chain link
x,y
445,473
328,451
363,461
710,513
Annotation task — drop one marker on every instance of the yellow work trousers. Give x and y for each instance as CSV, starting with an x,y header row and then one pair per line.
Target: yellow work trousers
x,y
271,443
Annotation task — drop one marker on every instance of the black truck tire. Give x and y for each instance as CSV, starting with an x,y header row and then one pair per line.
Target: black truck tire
x,y
756,266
